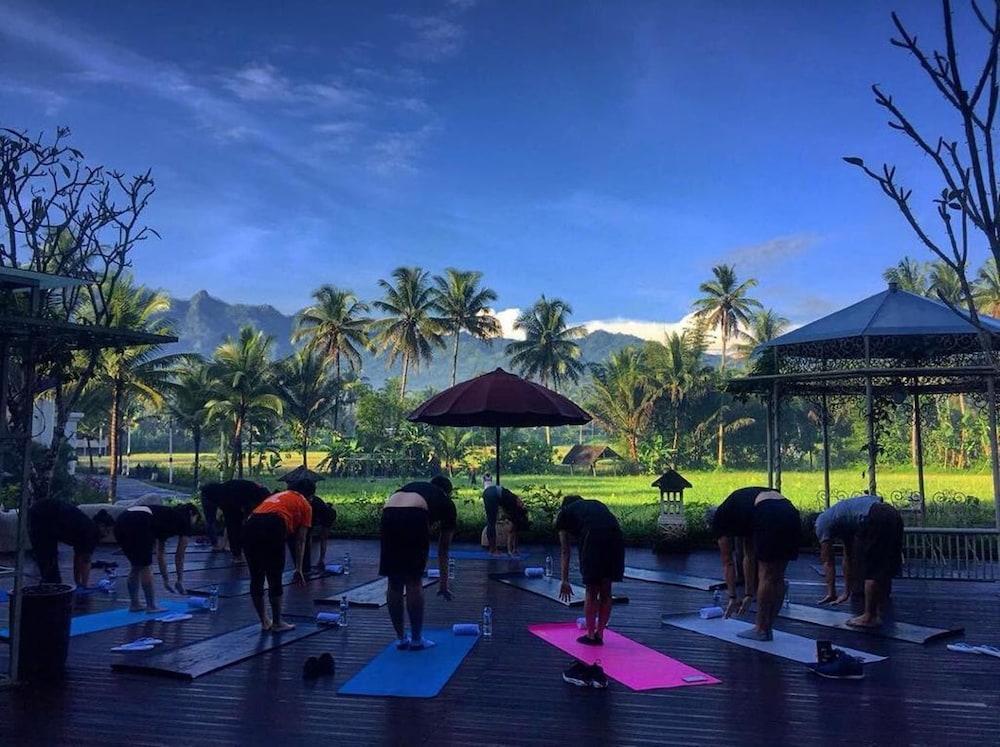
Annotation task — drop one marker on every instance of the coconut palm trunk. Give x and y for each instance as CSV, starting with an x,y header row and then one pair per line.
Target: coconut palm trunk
x,y
454,360
722,405
406,370
336,396
114,440
196,437
305,448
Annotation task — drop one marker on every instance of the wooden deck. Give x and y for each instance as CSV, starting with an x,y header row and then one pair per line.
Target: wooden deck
x,y
509,690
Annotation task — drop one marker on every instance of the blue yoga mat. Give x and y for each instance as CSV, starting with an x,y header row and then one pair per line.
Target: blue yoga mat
x,y
83,624
412,674
478,555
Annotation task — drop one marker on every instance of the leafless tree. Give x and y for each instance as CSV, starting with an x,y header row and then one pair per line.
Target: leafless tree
x,y
968,204
65,217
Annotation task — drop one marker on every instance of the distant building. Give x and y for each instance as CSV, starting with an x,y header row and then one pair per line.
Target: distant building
x,y
587,457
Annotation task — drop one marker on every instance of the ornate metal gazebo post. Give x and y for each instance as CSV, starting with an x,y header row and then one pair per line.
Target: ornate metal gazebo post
x,y
918,444
870,417
768,438
824,414
991,409
776,449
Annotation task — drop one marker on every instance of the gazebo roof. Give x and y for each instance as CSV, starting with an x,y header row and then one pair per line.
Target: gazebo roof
x,y
898,324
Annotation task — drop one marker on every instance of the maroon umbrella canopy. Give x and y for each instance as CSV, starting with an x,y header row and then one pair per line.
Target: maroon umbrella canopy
x,y
499,400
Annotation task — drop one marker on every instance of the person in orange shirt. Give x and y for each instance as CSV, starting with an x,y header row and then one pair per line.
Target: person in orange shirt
x,y
278,517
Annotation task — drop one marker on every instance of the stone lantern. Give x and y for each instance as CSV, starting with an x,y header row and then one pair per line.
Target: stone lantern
x,y
671,485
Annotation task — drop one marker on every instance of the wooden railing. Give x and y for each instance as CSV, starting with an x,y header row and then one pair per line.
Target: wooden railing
x,y
956,554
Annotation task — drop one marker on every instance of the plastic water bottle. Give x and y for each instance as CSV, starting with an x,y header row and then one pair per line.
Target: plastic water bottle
x,y
788,594
347,564
213,598
451,569
344,607
487,622
548,566
717,598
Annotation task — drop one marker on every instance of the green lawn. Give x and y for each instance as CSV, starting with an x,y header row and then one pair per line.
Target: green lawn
x,y
634,499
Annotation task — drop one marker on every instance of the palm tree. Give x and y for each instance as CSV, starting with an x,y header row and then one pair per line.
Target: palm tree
x,y
944,283
681,368
725,306
243,379
408,330
308,393
624,393
548,351
336,324
462,304
910,275
189,395
132,374
987,288
764,326
450,445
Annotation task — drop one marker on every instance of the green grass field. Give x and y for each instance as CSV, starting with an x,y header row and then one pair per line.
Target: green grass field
x,y
634,500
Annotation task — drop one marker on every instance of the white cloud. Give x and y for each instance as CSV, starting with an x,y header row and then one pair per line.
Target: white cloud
x,y
259,82
774,251
507,317
50,101
435,38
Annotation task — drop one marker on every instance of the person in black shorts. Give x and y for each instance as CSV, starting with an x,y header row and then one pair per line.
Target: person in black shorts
x,y
405,543
770,529
880,544
602,559
496,497
52,521
236,499
324,516
139,531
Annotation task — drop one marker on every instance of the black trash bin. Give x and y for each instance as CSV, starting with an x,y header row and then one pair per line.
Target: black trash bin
x,y
45,622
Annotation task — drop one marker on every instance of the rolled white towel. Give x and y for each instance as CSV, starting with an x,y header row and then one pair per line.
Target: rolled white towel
x,y
534,572
707,613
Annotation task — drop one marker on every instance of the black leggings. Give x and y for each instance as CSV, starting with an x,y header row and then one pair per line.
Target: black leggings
x,y
491,502
45,548
264,544
233,516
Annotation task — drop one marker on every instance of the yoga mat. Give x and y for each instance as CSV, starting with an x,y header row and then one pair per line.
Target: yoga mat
x,y
634,665
240,587
198,659
785,645
207,564
459,554
412,674
899,631
192,549
371,594
83,624
549,588
662,576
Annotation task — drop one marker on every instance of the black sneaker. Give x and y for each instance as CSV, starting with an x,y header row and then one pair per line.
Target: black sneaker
x,y
578,674
598,678
840,667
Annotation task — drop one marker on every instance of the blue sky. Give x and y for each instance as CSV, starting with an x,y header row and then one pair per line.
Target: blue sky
x,y
608,153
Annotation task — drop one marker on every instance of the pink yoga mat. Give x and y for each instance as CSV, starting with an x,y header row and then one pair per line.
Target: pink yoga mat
x,y
631,663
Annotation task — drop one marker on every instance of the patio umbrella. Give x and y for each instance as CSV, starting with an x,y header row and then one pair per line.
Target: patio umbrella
x,y
499,400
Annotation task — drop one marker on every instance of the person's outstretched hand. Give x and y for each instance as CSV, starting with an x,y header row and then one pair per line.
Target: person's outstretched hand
x,y
168,587
180,588
445,592
299,578
565,592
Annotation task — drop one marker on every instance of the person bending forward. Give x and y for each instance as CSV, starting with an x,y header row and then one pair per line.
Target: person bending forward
x,y
602,559
279,517
405,543
52,521
139,531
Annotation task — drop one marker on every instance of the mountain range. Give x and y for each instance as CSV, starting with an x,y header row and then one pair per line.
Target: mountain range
x,y
203,321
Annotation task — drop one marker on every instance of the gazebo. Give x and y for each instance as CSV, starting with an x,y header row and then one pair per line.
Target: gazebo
x,y
889,348
26,335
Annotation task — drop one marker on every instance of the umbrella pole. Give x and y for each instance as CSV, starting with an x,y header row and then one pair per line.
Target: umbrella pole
x,y
498,454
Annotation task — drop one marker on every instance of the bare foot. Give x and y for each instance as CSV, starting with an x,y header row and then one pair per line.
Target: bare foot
x,y
282,627
136,608
155,610
863,621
